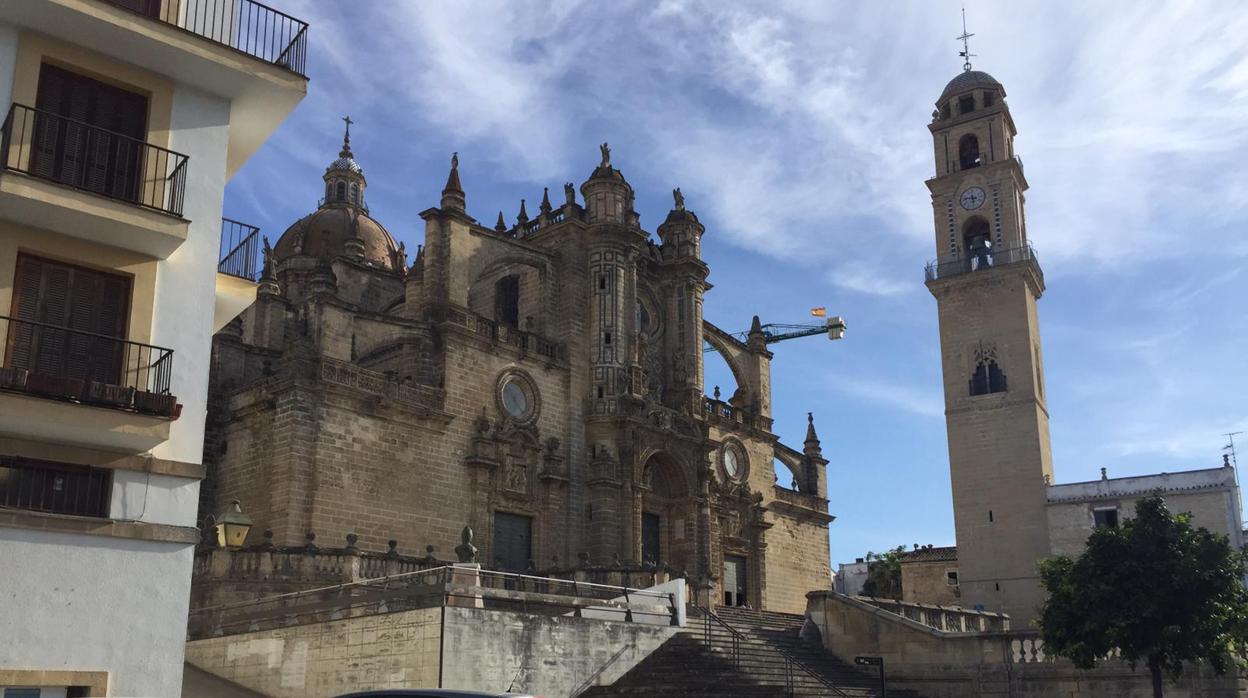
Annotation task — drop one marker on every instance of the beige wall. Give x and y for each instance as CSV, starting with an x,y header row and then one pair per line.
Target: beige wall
x,y
34,49
319,660
1070,524
140,269
925,582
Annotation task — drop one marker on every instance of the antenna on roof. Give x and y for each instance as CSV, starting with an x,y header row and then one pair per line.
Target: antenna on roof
x,y
965,53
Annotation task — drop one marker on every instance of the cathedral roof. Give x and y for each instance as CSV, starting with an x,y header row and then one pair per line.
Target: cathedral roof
x,y
968,80
325,233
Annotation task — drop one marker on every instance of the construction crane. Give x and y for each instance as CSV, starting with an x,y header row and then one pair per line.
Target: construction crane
x,y
774,332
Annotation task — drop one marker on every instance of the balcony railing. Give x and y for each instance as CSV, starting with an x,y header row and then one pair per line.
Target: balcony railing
x,y
56,488
76,154
240,250
95,369
997,258
243,25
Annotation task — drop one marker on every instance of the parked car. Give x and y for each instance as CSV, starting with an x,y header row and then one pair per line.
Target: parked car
x,y
433,693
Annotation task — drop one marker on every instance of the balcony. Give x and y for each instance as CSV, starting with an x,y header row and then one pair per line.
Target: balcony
x,y
1022,254
243,25
83,181
237,271
241,50
60,384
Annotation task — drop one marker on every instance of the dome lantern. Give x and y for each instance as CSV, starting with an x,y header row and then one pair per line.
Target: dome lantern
x,y
344,178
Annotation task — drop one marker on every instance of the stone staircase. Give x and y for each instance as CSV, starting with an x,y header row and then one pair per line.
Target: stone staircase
x,y
698,661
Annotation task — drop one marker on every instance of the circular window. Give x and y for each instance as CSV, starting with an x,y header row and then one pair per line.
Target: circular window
x,y
733,460
517,396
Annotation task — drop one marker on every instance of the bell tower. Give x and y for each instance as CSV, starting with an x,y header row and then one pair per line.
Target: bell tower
x,y
986,281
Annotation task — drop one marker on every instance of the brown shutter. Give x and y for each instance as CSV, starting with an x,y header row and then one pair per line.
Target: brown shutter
x,y
64,296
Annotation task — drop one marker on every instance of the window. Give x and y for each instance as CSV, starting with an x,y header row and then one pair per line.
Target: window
x,y
990,98
98,144
988,378
966,104
507,301
951,578
1105,518
968,152
57,488
977,242
341,191
64,317
355,193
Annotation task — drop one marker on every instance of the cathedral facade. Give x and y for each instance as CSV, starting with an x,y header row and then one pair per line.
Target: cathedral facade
x,y
539,382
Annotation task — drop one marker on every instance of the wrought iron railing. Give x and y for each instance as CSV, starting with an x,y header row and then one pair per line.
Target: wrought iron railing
x,y
243,25
74,153
56,488
66,364
240,250
997,258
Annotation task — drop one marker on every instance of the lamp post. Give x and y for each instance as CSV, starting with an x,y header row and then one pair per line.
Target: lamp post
x,y
232,526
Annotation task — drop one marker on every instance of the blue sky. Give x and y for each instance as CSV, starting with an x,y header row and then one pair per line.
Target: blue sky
x,y
797,131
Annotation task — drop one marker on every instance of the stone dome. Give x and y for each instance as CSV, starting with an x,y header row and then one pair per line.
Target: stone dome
x,y
968,80
346,162
325,233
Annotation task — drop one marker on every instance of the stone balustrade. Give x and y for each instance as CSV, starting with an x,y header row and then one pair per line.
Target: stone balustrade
x,y
952,619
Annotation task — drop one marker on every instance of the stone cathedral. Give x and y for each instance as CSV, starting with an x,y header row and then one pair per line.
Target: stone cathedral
x,y
540,382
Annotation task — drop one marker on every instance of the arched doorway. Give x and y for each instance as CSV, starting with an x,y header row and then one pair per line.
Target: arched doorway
x,y
668,517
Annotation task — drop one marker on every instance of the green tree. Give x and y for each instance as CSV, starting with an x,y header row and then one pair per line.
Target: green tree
x,y
884,574
1157,589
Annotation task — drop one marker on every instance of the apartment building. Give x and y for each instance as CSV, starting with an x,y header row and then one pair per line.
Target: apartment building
x,y
123,121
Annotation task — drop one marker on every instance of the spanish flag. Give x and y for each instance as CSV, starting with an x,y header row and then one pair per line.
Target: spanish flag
x,y
819,312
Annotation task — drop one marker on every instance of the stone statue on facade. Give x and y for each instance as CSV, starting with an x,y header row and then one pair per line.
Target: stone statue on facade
x,y
680,199
569,194
606,155
466,551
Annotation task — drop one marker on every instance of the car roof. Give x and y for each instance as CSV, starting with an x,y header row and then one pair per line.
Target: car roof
x,y
430,693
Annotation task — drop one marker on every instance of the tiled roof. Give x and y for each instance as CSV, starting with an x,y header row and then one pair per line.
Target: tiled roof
x,y
948,553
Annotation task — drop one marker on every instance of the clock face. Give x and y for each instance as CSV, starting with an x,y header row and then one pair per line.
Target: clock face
x,y
972,198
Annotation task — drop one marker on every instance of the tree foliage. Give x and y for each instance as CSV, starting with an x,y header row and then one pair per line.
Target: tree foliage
x,y
1157,589
884,574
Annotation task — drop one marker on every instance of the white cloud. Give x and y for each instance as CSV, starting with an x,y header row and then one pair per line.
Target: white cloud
x,y
887,393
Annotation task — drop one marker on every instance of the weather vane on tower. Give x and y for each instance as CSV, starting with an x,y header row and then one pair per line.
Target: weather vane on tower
x,y
965,53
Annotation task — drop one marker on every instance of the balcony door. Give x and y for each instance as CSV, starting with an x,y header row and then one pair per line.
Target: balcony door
x,y
513,542
67,321
89,134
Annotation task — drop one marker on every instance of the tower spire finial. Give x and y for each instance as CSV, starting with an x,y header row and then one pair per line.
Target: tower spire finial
x,y
965,53
346,138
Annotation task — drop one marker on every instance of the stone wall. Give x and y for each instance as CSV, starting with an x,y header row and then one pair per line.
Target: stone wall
x,y
394,650
941,664
797,562
467,648
927,582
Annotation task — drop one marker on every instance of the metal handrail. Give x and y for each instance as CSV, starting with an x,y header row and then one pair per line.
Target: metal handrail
x,y
246,26
937,269
789,660
125,365
241,243
35,142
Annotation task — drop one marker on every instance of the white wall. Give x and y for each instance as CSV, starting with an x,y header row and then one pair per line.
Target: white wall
x,y
186,282
94,602
151,498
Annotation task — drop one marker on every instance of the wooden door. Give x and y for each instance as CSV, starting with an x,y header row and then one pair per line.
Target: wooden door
x,y
513,542
651,550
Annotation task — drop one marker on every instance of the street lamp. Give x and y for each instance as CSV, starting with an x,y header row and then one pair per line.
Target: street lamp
x,y
232,526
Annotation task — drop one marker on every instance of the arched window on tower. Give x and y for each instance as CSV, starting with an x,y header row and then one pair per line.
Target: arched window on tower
x,y
966,104
507,301
977,242
329,191
987,378
355,193
341,191
968,152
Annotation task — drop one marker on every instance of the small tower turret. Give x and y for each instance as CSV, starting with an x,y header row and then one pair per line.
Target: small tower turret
x,y
682,232
608,196
453,193
344,178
